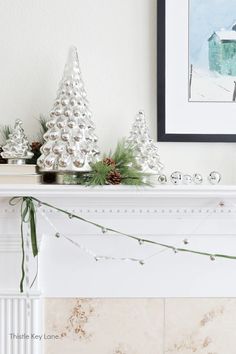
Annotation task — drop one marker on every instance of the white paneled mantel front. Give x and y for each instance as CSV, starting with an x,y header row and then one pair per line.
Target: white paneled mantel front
x,y
203,214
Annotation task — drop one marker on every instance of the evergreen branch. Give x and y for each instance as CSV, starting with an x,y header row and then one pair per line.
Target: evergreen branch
x,y
43,127
125,164
6,130
123,155
98,175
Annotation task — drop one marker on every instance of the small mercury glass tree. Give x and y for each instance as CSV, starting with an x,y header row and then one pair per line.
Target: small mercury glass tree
x,y
17,149
144,148
70,143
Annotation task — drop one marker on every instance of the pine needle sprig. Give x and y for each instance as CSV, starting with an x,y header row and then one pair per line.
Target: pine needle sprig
x,y
123,155
135,177
99,173
6,130
43,127
125,164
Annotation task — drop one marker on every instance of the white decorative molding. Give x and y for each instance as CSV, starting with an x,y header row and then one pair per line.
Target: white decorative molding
x,y
16,319
168,214
10,243
124,192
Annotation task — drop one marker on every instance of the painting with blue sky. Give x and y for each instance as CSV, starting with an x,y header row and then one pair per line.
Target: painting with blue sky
x,y
212,50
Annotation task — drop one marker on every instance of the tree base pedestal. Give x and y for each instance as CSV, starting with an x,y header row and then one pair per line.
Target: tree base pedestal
x,y
66,178
76,178
16,161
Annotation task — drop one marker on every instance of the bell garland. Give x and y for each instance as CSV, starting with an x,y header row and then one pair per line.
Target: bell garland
x,y
28,216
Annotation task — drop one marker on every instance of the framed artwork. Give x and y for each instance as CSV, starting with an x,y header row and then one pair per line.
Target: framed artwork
x,y
196,70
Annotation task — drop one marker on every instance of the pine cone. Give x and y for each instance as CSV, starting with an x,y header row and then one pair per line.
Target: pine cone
x,y
109,162
114,177
35,146
2,160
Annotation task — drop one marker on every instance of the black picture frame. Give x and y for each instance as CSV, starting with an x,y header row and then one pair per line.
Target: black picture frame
x,y
161,91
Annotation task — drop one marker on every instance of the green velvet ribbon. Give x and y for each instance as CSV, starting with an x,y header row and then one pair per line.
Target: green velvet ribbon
x,y
28,216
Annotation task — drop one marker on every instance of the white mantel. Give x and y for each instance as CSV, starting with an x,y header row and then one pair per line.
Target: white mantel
x,y
120,190
166,191
203,214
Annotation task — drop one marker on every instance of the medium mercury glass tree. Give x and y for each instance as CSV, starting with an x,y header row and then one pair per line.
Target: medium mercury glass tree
x,y
70,143
144,148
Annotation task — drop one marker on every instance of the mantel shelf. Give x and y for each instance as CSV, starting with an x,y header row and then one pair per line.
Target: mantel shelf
x,y
117,192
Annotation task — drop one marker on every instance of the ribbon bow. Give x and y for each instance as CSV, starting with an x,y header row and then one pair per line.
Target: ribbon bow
x,y
28,216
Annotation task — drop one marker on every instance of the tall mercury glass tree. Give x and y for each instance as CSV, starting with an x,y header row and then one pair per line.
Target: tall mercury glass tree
x,y
144,148
70,143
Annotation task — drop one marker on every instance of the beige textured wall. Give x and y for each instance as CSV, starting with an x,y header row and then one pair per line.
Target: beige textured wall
x,y
105,326
141,326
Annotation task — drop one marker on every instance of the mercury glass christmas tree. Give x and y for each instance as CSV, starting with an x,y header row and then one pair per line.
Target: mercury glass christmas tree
x,y
17,149
145,149
70,143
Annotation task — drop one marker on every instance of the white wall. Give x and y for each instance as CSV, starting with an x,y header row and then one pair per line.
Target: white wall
x,y
116,40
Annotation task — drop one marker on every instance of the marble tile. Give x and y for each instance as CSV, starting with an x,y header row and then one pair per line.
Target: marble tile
x,y
206,326
104,326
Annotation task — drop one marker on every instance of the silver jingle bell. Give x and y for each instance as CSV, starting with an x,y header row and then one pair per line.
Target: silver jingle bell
x,y
176,177
197,178
162,179
214,177
187,179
